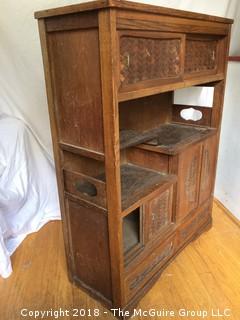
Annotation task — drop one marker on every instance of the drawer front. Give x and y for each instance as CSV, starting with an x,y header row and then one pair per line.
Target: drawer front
x,y
138,278
187,230
85,188
159,214
148,56
201,55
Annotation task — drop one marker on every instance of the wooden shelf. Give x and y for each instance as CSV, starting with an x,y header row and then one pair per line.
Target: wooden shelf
x,y
131,138
138,184
133,92
168,138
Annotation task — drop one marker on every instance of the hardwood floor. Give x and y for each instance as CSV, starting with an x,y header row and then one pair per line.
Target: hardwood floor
x,y
205,276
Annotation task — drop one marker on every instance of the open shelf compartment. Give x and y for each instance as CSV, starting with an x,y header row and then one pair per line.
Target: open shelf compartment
x,y
139,183
168,138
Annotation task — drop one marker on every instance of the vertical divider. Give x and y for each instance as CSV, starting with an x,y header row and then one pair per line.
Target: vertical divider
x,y
109,82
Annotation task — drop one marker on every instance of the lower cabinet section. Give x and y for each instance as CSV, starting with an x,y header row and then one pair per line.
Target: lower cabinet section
x,y
142,273
155,255
88,235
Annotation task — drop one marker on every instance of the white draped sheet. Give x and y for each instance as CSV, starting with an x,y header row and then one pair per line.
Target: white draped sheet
x,y
28,192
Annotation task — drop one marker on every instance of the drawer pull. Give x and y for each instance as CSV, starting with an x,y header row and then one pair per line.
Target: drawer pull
x,y
87,188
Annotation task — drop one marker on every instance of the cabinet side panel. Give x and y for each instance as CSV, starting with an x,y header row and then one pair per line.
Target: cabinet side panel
x,y
74,57
209,158
90,249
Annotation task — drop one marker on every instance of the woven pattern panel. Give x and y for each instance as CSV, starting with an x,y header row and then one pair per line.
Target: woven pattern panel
x,y
200,55
160,215
146,59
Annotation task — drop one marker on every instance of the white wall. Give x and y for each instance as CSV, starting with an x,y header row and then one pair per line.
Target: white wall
x,y
227,188
22,88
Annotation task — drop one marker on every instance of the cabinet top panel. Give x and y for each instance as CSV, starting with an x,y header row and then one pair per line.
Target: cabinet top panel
x,y
127,5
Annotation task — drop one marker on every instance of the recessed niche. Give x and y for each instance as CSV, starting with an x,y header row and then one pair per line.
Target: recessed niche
x,y
191,114
131,230
195,96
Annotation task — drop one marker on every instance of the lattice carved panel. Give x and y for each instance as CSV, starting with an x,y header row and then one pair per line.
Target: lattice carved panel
x,y
201,55
160,213
144,59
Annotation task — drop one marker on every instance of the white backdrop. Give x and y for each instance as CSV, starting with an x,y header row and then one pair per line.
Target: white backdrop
x,y
22,89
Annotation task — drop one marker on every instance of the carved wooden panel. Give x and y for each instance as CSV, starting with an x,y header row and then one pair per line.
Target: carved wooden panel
x,y
188,180
143,272
141,58
186,231
159,214
208,169
201,55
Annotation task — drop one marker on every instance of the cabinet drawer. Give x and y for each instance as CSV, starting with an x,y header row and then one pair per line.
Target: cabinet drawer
x,y
85,187
138,277
141,57
159,215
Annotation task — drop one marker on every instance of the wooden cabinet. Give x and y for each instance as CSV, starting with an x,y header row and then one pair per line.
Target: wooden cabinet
x,y
135,179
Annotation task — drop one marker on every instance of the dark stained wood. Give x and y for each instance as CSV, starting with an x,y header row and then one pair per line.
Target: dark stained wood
x,y
135,180
77,92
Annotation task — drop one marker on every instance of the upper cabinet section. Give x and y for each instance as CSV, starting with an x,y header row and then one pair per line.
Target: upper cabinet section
x,y
155,49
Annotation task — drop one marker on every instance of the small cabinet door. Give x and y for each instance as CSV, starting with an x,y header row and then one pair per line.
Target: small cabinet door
x,y
189,166
159,215
149,57
201,55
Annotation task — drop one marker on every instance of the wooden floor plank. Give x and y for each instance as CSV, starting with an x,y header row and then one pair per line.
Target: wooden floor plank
x,y
205,276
